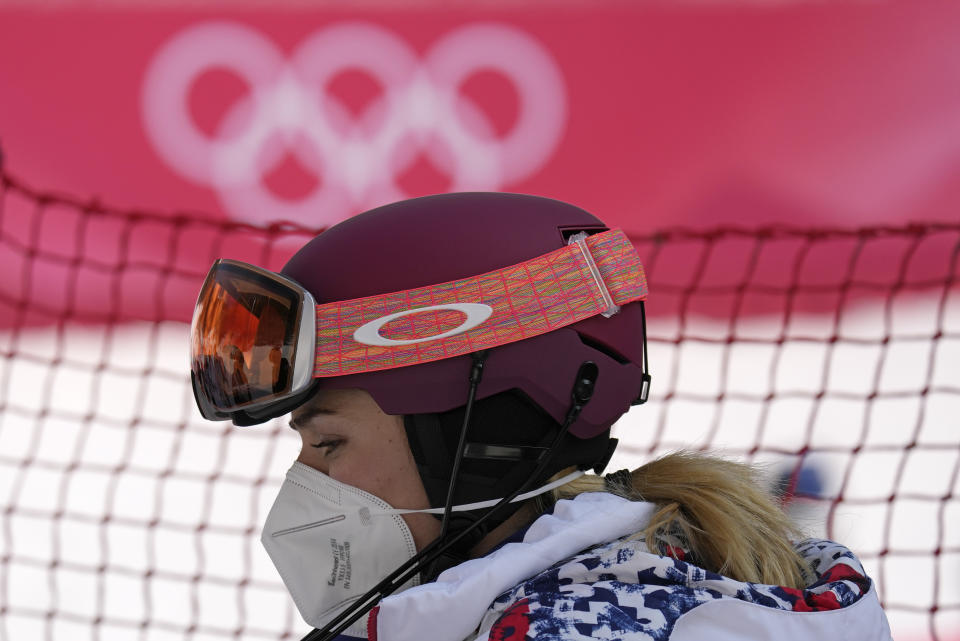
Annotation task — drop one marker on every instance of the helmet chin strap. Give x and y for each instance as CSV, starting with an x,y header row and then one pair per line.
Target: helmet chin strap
x,y
581,394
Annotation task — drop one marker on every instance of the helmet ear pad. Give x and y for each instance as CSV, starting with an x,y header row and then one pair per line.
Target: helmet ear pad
x,y
507,436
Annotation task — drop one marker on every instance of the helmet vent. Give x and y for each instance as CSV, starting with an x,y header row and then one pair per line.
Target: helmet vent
x,y
568,232
604,349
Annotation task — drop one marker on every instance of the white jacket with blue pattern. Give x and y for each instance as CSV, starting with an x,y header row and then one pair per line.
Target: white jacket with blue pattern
x,y
577,576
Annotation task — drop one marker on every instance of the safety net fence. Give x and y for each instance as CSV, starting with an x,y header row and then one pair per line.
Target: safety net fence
x,y
829,356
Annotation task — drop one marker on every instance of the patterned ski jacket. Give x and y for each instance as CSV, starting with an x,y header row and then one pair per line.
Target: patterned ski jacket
x,y
577,575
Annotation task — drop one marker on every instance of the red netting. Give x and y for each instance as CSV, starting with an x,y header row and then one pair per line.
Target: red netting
x,y
831,355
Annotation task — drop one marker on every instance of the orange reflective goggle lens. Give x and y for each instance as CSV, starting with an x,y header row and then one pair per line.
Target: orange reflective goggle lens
x,y
244,338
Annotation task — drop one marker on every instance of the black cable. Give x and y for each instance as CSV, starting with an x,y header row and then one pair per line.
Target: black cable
x,y
476,373
581,394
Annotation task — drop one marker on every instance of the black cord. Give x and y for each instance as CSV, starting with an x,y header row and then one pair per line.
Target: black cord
x,y
581,394
476,373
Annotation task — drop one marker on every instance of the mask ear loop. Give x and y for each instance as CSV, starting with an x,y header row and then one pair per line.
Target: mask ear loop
x,y
581,394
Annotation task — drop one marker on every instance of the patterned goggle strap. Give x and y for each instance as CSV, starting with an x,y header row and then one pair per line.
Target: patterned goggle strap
x,y
592,275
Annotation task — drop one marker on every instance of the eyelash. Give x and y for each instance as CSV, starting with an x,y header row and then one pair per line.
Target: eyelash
x,y
332,445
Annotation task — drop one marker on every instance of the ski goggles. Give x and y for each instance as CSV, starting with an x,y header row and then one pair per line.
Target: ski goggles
x,y
259,338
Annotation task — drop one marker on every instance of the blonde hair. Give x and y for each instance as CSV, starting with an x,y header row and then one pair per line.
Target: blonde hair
x,y
713,508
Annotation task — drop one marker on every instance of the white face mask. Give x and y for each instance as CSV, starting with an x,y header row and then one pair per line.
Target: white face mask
x,y
332,542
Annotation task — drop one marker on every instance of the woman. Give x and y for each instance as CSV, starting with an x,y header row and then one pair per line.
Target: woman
x,y
453,365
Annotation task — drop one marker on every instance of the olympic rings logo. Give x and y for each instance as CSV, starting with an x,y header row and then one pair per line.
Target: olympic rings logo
x,y
289,110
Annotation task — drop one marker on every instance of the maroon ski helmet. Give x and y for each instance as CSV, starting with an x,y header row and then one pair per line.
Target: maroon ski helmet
x,y
435,239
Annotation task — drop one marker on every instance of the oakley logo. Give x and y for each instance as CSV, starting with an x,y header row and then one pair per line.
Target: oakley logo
x,y
289,110
369,333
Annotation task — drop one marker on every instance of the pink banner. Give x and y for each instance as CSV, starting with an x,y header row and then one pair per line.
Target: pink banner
x,y
651,116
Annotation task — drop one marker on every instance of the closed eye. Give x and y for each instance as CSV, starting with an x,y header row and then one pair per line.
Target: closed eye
x,y
331,444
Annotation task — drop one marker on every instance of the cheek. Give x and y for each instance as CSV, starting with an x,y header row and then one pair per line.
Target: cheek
x,y
392,471
424,528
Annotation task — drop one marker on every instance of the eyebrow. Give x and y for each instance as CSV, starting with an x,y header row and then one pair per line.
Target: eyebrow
x,y
307,415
